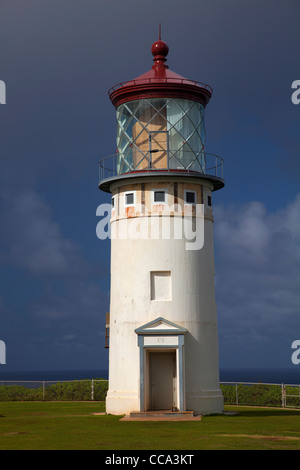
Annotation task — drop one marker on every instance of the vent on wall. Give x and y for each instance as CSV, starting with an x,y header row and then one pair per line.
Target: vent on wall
x,y
161,285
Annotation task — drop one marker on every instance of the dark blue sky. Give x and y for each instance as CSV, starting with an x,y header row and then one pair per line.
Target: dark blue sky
x,y
58,59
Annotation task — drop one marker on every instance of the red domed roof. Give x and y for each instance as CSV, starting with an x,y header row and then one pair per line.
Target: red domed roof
x,y
160,82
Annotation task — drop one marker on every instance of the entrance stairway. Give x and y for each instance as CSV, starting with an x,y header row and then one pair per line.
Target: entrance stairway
x,y
162,415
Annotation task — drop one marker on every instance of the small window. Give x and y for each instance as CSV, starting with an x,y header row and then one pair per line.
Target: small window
x,y
113,202
159,196
209,201
129,199
190,197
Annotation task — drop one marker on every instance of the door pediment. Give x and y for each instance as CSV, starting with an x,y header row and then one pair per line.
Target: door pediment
x,y
160,326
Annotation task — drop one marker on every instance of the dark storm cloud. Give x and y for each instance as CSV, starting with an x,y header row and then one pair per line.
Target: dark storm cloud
x,y
58,60
258,278
60,57
32,240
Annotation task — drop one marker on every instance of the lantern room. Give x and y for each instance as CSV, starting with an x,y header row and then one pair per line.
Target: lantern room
x,y
160,125
160,133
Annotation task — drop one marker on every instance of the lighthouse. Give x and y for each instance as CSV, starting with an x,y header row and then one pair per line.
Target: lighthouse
x,y
163,336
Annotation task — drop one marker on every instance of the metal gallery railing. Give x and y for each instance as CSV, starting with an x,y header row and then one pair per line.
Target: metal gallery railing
x,y
163,161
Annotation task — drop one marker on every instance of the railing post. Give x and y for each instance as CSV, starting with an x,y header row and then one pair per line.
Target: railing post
x,y
236,394
92,391
43,389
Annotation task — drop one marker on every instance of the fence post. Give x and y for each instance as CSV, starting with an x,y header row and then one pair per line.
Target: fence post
x,y
92,391
236,394
43,389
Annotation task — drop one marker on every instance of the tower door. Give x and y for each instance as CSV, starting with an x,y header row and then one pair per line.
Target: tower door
x,y
162,380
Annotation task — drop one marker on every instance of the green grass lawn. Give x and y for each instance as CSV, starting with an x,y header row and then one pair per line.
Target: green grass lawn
x,y
72,426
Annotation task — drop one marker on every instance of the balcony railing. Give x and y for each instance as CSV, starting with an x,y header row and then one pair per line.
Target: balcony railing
x,y
168,161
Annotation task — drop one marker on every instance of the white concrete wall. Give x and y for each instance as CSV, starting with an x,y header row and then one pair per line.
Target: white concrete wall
x,y
192,306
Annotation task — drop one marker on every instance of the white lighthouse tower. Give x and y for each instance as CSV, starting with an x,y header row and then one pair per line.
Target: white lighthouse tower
x,y
163,341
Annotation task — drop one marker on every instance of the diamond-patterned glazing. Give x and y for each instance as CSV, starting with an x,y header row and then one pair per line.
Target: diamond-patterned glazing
x,y
160,133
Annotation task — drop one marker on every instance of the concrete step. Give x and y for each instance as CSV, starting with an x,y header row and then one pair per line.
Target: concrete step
x,y
161,415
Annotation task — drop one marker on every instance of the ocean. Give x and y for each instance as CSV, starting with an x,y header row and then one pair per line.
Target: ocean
x,y
52,375
277,376
289,375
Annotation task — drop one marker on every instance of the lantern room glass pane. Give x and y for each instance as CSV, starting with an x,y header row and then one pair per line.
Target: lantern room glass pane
x,y
160,133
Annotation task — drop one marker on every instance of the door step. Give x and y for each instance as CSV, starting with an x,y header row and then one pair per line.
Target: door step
x,y
162,415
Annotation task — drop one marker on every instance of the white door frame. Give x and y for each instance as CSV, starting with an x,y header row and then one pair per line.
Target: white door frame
x,y
165,336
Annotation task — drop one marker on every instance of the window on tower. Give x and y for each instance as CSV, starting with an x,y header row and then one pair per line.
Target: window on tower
x,y
190,197
159,196
129,198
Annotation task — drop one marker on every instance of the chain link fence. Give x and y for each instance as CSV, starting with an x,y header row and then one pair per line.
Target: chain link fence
x,y
261,394
234,393
76,390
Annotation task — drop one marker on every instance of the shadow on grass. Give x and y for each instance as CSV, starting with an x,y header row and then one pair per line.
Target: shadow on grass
x,y
244,411
272,412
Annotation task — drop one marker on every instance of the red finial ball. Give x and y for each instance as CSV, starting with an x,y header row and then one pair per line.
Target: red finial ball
x,y
160,50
